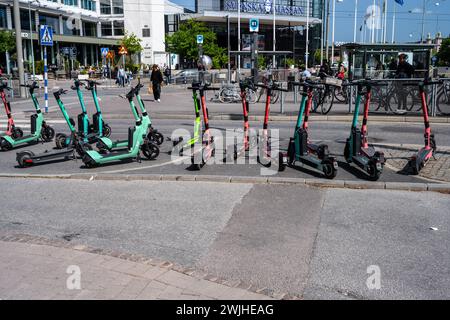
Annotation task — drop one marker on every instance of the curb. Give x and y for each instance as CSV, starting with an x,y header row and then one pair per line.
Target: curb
x,y
318,183
409,147
195,273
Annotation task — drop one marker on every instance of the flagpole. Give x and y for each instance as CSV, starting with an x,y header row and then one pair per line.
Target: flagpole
x,y
385,20
274,31
372,34
307,34
354,26
239,38
393,24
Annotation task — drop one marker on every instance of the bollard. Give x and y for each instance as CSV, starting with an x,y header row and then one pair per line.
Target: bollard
x,y
295,94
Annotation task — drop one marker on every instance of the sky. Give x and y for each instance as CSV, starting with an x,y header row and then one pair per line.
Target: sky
x,y
408,26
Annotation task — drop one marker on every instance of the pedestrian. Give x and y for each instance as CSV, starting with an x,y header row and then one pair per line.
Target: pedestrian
x,y
325,70
121,76
167,73
156,79
1,70
341,71
404,70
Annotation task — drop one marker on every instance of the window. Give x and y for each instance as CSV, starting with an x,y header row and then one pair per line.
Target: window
x,y
88,5
89,29
106,29
50,21
3,23
71,27
119,29
25,20
117,6
146,32
73,3
105,6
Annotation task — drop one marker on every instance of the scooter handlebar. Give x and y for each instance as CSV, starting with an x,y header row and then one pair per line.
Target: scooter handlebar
x,y
423,83
365,82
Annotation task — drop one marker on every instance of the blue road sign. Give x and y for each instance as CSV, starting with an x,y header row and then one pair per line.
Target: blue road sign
x,y
104,51
254,25
46,35
199,39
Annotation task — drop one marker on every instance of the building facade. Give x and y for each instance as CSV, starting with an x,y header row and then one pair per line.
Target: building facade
x,y
82,27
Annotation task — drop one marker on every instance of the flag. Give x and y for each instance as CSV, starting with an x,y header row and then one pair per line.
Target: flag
x,y
400,2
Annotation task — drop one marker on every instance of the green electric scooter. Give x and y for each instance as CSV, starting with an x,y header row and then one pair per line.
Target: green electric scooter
x,y
177,146
76,145
137,142
105,144
89,132
40,130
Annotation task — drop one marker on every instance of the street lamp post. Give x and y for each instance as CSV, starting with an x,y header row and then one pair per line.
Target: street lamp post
x,y
31,35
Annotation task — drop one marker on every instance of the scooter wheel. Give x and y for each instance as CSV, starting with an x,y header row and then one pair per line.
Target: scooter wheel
x,y
88,162
106,130
5,145
150,150
374,173
281,164
156,137
47,133
329,170
17,133
61,141
24,157
413,166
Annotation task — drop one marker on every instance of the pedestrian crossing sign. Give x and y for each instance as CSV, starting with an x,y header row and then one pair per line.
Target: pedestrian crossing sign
x,y
104,51
46,35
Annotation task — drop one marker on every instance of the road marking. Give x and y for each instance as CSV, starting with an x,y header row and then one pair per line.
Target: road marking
x,y
148,167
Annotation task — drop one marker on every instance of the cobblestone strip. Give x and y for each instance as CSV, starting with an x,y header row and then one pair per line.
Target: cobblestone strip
x,y
170,279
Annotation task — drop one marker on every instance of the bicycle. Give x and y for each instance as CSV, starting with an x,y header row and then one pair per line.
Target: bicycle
x,y
231,93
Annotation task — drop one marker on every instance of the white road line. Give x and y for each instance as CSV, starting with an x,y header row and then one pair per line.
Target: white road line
x,y
148,167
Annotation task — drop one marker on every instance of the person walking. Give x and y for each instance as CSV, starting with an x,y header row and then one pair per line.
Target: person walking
x,y
404,70
156,78
121,76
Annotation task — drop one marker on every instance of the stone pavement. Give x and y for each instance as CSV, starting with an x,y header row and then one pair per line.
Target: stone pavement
x,y
437,168
35,271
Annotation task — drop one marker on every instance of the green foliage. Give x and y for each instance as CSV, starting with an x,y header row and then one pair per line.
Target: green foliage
x,y
262,63
444,53
288,62
39,66
133,67
317,56
184,43
7,41
132,43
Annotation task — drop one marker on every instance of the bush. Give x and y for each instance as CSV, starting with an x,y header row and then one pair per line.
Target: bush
x,y
39,67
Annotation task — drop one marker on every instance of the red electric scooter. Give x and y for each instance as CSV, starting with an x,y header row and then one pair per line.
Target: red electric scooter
x,y
11,130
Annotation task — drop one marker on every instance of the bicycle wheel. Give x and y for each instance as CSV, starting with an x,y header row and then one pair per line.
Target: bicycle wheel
x,y
252,96
275,96
443,102
341,95
327,99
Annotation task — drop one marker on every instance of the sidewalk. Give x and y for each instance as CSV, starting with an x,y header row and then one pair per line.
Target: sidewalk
x,y
33,271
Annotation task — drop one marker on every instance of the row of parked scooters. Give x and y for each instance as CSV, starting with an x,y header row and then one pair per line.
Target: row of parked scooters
x,y
300,149
142,138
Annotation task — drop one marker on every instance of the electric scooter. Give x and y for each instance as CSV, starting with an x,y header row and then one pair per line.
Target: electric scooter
x,y
197,124
248,141
89,132
75,146
420,159
300,148
264,153
137,142
40,130
207,149
357,148
11,129
106,144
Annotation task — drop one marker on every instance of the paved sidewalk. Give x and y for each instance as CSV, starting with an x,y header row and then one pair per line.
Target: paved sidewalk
x,y
437,168
31,271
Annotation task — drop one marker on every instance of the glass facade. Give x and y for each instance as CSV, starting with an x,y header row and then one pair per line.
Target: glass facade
x,y
88,5
106,29
117,6
3,23
105,6
89,29
73,3
25,20
119,29
70,27
51,21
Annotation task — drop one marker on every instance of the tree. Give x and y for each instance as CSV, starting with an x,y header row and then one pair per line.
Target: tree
x,y
7,42
184,43
132,43
444,53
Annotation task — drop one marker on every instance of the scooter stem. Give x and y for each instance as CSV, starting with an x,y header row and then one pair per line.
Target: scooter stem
x,y
365,144
426,120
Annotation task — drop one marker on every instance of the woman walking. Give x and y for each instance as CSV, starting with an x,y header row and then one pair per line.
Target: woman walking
x,y
156,78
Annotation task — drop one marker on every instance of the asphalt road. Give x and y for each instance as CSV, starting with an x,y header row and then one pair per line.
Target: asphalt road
x,y
313,242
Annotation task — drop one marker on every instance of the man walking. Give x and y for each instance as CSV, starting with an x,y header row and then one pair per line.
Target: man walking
x,y
404,71
156,78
